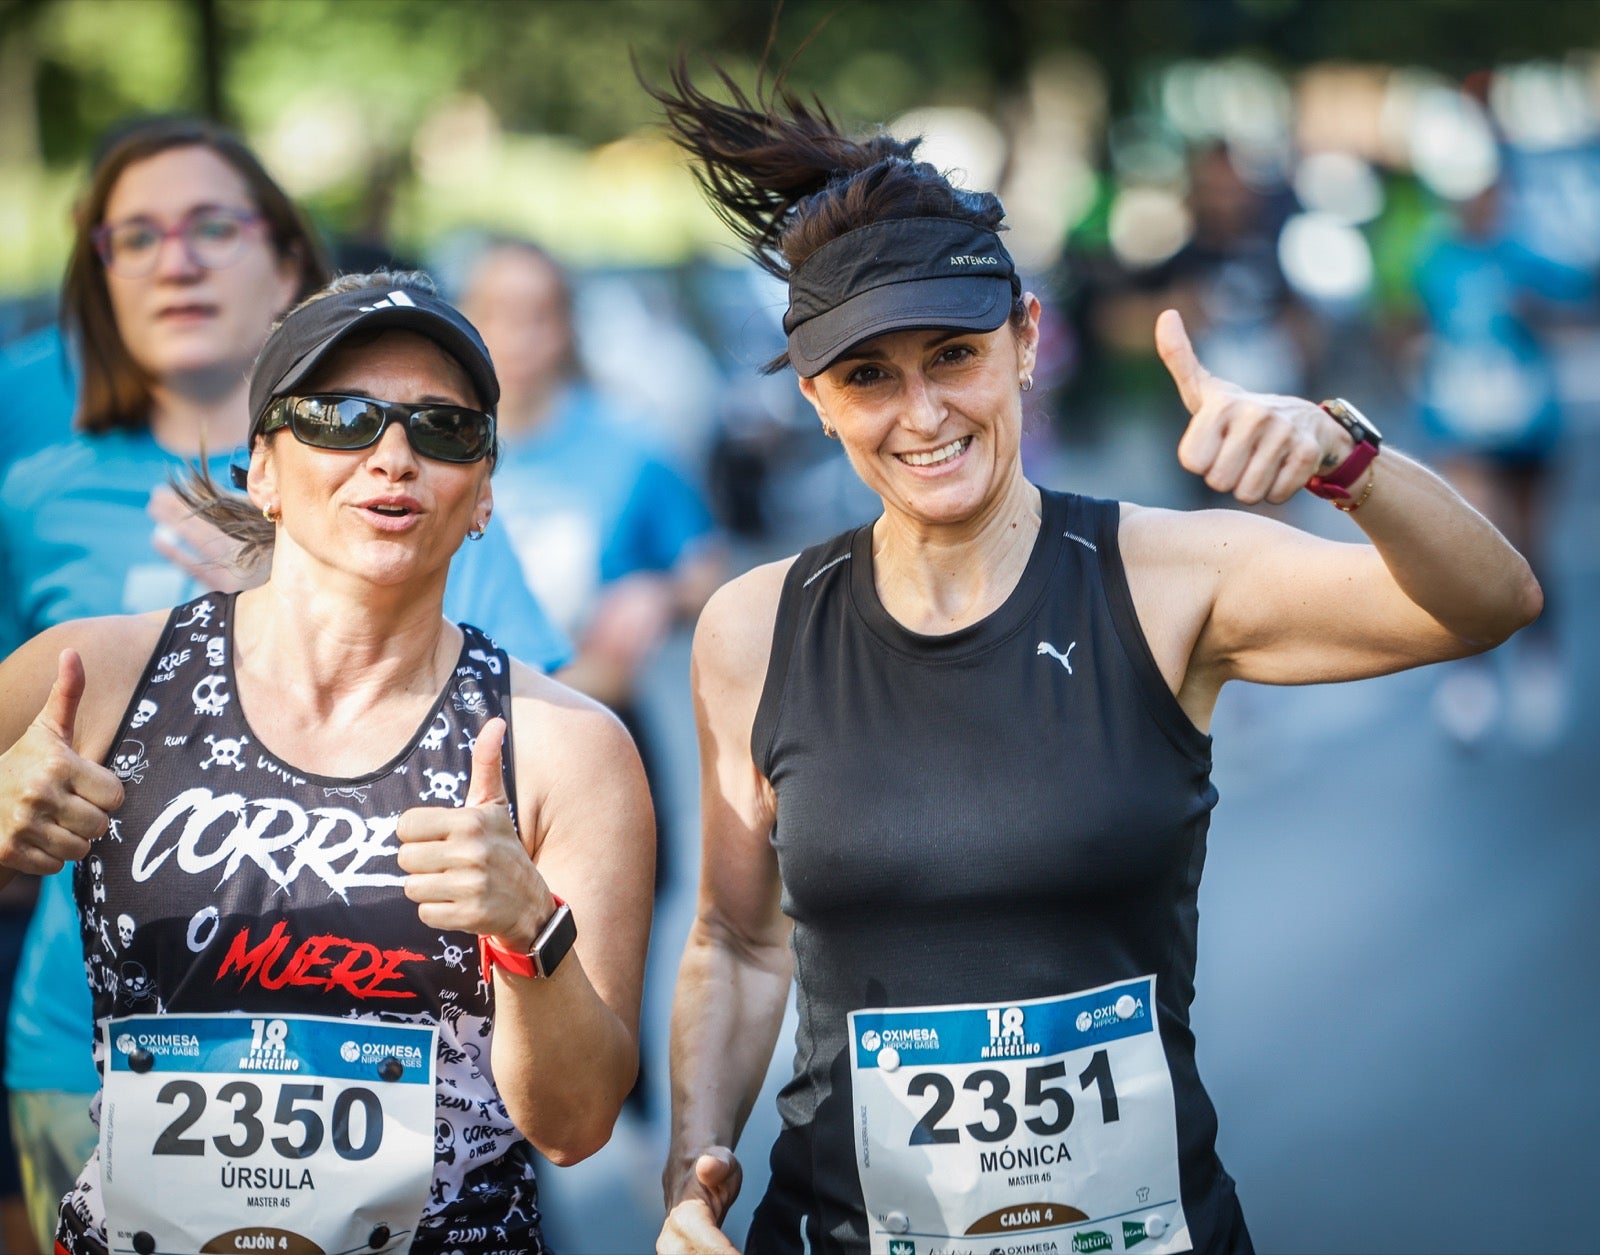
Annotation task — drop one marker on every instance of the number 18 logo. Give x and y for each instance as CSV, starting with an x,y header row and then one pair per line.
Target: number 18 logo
x,y
268,1035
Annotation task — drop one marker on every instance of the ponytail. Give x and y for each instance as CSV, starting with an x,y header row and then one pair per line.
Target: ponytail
x,y
784,178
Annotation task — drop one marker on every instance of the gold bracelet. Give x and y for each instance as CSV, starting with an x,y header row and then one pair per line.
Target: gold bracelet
x,y
1372,479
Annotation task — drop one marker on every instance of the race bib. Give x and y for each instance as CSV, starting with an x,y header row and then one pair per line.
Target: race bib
x,y
300,1134
1044,1127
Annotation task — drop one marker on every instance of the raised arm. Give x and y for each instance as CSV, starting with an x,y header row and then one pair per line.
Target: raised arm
x,y
1226,595
734,979
566,1047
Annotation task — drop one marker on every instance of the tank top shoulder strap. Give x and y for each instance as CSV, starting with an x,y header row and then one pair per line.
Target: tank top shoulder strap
x,y
483,674
1097,523
824,564
139,708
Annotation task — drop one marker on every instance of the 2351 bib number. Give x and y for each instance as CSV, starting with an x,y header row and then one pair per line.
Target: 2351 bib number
x,y
1038,1092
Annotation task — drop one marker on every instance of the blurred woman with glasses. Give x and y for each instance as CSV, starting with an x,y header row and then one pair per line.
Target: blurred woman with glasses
x,y
213,236
185,251
364,900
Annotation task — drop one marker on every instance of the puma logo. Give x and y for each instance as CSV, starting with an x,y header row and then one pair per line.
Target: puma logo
x,y
1065,659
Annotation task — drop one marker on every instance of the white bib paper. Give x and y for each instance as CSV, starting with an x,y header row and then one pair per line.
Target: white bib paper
x,y
1045,1127
304,1135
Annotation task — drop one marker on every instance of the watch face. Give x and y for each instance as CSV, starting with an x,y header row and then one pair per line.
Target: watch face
x,y
555,941
1355,422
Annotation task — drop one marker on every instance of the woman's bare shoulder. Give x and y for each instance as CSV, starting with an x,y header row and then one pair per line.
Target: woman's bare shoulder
x,y
114,649
734,635
571,753
1183,535
555,727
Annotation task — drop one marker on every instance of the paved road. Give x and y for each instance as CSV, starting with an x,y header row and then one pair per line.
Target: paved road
x,y
1398,991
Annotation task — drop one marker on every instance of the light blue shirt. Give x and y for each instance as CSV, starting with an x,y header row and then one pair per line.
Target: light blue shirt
x,y
1489,382
587,500
75,541
37,384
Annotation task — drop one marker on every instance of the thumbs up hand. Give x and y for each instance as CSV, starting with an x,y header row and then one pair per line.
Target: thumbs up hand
x,y
466,867
1255,445
53,801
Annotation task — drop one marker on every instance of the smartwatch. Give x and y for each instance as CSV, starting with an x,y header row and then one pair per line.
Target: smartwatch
x,y
543,957
1335,485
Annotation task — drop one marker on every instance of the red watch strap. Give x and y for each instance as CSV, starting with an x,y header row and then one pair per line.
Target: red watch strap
x,y
1335,485
491,952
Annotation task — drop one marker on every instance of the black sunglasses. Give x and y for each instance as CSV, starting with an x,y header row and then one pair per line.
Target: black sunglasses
x,y
446,433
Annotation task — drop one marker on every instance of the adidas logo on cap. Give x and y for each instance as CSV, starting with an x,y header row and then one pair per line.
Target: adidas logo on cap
x,y
396,297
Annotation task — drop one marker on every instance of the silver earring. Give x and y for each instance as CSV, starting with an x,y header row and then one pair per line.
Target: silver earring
x,y
829,431
476,533
1027,383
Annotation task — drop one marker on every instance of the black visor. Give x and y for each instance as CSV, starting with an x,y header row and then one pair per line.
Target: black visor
x,y
893,276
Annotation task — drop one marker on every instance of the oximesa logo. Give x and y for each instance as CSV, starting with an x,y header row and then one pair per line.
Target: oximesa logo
x,y
1124,1008
349,1052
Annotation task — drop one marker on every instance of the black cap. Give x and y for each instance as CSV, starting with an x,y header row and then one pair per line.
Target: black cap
x,y
304,339
893,276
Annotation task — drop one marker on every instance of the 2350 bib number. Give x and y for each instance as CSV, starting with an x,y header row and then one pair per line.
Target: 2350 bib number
x,y
299,1106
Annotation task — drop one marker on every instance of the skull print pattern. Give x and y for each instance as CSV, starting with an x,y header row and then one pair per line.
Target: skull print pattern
x,y
240,883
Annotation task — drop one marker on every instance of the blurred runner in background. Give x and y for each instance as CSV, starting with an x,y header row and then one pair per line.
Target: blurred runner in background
x,y
616,542
1490,397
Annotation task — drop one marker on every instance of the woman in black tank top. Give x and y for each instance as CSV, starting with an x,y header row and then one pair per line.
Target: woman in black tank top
x,y
330,905
955,763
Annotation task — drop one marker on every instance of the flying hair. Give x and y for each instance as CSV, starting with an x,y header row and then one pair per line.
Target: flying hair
x,y
785,179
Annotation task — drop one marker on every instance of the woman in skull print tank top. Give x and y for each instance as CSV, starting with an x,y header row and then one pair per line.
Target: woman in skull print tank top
x,y
330,907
